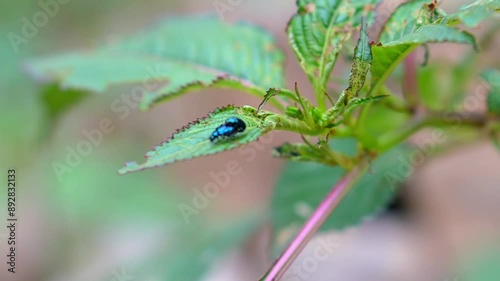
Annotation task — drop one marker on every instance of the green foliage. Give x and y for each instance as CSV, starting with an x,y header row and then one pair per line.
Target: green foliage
x,y
366,122
291,206
169,62
402,34
406,19
348,99
361,101
471,15
434,33
193,140
319,29
362,62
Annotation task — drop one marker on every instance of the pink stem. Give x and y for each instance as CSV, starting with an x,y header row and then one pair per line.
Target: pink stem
x,y
410,87
312,225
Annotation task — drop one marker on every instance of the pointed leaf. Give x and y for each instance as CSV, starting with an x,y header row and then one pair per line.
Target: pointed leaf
x,y
360,101
362,61
407,18
194,141
309,153
389,55
473,14
434,33
170,60
317,32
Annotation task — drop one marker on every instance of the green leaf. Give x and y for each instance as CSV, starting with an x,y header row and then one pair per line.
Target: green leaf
x,y
434,33
492,77
170,60
362,61
319,29
302,186
407,28
361,64
406,19
473,14
193,140
385,61
389,55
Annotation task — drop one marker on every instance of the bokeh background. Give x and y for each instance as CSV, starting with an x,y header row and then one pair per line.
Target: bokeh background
x,y
91,224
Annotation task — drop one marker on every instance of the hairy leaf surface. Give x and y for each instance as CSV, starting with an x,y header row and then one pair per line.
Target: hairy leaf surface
x,y
193,140
178,56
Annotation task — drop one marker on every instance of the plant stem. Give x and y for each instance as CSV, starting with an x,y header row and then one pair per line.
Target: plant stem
x,y
443,119
410,87
314,222
319,91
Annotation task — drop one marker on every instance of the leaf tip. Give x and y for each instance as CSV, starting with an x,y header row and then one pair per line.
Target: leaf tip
x,y
129,167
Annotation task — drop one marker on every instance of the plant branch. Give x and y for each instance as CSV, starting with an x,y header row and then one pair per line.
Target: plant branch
x,y
326,207
434,119
410,88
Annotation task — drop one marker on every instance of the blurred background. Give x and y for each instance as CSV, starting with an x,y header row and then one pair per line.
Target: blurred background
x,y
87,223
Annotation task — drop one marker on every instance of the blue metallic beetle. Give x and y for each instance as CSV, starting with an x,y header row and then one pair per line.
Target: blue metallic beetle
x,y
231,127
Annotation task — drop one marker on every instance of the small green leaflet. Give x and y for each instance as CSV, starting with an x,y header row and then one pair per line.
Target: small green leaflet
x,y
362,62
354,103
193,140
403,33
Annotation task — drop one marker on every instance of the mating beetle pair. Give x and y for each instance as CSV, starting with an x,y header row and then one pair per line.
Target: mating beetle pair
x,y
231,127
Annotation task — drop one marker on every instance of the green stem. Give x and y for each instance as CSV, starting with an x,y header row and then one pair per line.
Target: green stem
x,y
319,92
261,93
285,123
445,119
